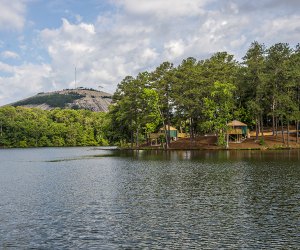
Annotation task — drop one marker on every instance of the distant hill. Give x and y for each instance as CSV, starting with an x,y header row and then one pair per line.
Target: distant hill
x,y
79,98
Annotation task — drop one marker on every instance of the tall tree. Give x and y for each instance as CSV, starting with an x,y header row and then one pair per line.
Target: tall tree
x,y
276,80
163,79
219,106
251,83
293,88
135,109
188,93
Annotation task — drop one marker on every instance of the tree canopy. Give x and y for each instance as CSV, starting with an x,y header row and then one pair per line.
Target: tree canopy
x,y
201,97
26,127
197,97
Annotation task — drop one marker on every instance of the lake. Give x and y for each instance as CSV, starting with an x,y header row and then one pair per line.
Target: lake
x,y
85,198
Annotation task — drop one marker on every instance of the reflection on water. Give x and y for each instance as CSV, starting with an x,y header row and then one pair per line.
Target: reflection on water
x,y
93,198
272,155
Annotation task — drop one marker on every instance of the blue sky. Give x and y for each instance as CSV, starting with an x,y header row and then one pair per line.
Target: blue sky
x,y
41,41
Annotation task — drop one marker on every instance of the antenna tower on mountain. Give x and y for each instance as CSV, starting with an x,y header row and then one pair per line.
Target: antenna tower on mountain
x,y
75,76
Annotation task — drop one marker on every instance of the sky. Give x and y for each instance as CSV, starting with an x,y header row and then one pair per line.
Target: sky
x,y
43,41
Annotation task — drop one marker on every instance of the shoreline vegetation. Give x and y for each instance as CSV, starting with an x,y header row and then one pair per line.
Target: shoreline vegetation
x,y
22,127
200,143
197,98
202,97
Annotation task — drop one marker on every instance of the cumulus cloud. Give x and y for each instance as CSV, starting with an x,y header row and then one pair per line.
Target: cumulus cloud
x,y
163,9
9,54
6,68
174,49
100,57
138,35
12,14
281,29
22,81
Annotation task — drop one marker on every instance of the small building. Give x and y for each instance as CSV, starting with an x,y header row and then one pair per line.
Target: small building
x,y
155,138
237,131
171,131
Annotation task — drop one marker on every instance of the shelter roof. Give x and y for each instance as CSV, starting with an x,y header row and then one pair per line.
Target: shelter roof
x,y
169,128
236,123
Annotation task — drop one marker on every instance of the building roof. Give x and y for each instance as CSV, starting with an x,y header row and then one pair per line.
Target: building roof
x,y
169,128
236,123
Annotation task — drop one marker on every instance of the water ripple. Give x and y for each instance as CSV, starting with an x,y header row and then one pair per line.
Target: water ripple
x,y
148,200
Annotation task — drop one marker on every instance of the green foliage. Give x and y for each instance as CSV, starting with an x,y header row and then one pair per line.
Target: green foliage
x,y
218,107
135,111
25,127
196,97
53,100
203,96
262,142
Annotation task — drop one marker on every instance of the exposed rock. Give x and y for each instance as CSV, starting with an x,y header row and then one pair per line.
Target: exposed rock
x,y
79,98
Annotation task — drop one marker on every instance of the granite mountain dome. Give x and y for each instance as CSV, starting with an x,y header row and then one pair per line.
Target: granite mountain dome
x,y
79,98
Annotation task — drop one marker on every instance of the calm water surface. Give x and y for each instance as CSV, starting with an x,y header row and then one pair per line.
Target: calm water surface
x,y
84,198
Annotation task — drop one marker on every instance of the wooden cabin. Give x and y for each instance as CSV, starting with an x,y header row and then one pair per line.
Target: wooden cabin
x,y
155,138
237,132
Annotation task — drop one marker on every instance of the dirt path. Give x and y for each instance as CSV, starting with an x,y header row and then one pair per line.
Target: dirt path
x,y
209,142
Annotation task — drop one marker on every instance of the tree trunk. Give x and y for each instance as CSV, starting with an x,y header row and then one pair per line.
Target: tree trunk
x,y
297,131
257,128
137,138
276,128
131,133
227,140
273,117
288,133
262,126
191,130
165,128
282,132
168,117
131,139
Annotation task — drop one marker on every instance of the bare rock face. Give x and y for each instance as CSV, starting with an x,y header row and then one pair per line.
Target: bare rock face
x,y
80,98
95,101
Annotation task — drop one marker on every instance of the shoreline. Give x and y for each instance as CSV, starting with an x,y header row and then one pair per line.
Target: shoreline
x,y
162,149
210,149
115,148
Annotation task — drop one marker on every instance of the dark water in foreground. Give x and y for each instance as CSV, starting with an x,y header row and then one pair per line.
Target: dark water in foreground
x,y
91,198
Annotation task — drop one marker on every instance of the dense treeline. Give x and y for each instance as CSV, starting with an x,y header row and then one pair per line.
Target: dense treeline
x,y
25,127
202,96
197,97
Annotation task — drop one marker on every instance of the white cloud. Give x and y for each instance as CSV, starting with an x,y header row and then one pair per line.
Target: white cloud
x,y
149,54
23,81
132,40
238,42
174,49
9,54
281,29
100,57
12,14
140,34
163,9
6,68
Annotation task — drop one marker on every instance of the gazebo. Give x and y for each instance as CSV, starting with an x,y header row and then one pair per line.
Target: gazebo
x,y
171,131
237,131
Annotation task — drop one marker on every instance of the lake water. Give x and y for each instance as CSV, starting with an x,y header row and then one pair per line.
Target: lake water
x,y
71,198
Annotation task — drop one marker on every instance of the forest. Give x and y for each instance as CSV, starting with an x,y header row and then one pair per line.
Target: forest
x,y
196,96
32,127
199,97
